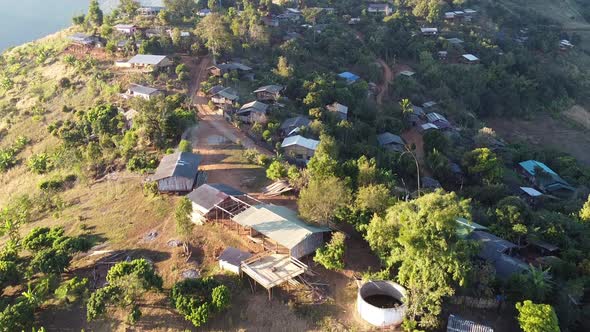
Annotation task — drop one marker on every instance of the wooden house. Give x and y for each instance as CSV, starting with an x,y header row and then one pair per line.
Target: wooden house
x,y
299,149
269,92
253,112
210,201
544,178
391,142
127,29
177,172
291,126
145,92
340,110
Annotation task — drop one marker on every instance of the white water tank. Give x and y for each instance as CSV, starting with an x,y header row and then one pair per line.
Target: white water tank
x,y
380,303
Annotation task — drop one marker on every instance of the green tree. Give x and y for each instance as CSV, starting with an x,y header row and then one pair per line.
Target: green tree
x,y
420,238
39,163
213,30
321,198
283,69
374,197
483,164
534,317
276,170
184,209
585,211
95,15
331,256
128,7
324,162
199,299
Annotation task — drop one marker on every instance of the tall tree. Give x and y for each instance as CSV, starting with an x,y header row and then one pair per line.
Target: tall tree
x,y
419,237
534,317
213,30
128,7
319,201
585,211
95,15
483,165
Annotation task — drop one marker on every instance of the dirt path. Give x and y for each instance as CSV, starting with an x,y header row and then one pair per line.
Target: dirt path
x,y
213,118
387,79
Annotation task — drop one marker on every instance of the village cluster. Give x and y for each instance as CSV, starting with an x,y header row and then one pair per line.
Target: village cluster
x,y
284,124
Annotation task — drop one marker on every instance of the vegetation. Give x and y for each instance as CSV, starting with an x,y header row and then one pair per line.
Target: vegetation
x,y
199,299
331,256
537,317
184,224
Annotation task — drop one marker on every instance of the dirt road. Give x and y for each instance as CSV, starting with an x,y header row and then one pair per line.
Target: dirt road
x,y
387,79
213,118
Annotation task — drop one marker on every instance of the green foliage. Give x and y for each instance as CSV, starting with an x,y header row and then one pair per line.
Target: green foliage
x,y
435,140
534,317
142,163
283,69
39,163
331,256
72,290
182,215
95,15
79,19
181,68
214,31
97,303
585,211
319,201
198,299
483,166
324,162
9,273
185,146
42,238
49,261
374,197
141,268
17,317
276,170
420,238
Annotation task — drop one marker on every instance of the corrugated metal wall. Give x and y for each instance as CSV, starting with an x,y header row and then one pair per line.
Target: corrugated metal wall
x,y
175,184
308,246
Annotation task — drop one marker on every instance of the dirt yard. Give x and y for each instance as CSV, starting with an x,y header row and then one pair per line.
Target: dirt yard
x,y
547,132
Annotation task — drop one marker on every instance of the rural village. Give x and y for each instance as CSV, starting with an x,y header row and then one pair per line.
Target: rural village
x,y
297,165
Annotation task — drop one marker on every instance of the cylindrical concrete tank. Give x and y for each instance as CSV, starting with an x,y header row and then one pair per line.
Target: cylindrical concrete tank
x,y
380,303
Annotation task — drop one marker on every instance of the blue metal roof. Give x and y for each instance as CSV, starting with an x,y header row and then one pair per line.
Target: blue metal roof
x,y
530,165
349,76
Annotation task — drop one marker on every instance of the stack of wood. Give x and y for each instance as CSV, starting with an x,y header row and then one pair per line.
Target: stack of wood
x,y
277,188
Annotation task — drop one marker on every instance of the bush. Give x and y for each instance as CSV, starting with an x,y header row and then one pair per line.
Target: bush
x,y
276,171
198,299
331,256
185,146
141,163
51,185
39,163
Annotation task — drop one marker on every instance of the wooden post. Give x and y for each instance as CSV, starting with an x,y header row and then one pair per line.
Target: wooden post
x,y
270,294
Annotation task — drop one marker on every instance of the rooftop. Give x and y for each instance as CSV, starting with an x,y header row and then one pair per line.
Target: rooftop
x,y
433,117
348,76
270,89
389,138
457,324
337,107
179,164
278,223
234,256
455,40
531,191
299,140
140,89
255,106
147,59
298,121
209,195
470,57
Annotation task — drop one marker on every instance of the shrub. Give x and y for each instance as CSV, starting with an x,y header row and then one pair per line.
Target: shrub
x,y
185,146
39,163
198,299
331,256
276,171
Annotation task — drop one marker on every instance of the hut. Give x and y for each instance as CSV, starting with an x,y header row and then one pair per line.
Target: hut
x,y
211,201
269,92
391,142
177,172
299,149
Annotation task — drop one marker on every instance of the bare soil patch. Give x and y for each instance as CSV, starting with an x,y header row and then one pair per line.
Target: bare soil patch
x,y
579,114
545,132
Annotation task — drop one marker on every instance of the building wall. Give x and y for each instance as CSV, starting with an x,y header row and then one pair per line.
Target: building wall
x,y
176,184
308,246
293,151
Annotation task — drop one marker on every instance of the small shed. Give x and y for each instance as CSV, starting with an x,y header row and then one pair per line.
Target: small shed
x,y
380,8
231,259
455,41
149,61
469,59
141,91
281,229
177,172
127,29
429,31
458,324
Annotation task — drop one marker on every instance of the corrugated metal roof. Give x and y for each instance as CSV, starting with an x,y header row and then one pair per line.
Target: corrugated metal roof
x,y
428,126
179,164
457,324
531,191
389,138
208,195
278,223
147,59
530,166
254,106
493,250
433,117
270,89
296,122
144,90
349,76
470,57
309,143
470,224
337,107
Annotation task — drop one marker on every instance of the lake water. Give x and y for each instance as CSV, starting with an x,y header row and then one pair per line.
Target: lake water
x,y
23,21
